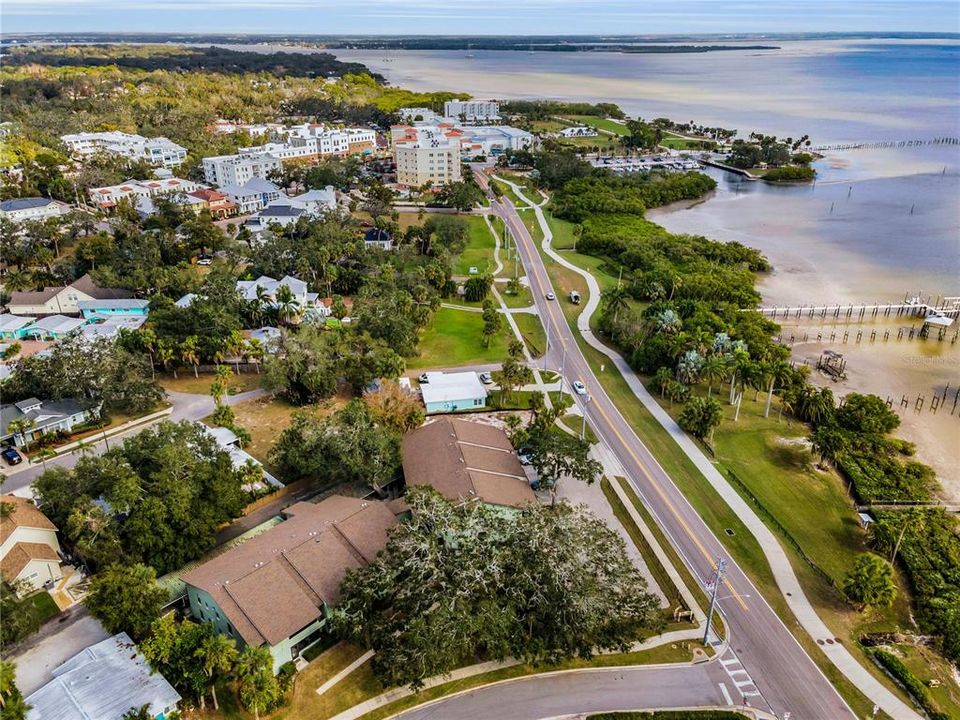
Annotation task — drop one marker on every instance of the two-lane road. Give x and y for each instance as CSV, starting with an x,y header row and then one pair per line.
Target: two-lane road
x,y
776,673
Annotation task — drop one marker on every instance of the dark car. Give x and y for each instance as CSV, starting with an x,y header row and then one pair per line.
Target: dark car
x,y
11,456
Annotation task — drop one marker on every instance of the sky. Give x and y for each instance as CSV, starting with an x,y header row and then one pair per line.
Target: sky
x,y
479,17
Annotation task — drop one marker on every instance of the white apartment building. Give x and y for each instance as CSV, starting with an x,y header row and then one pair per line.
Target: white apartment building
x,y
109,196
331,141
283,152
493,140
158,152
238,169
426,155
417,114
472,110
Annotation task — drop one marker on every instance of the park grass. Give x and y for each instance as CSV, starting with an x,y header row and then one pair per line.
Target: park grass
x,y
478,252
187,383
610,126
929,666
533,333
455,337
677,142
574,423
547,126
602,142
522,299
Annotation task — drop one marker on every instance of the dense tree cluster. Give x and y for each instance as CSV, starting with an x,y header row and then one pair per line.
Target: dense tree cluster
x,y
545,109
158,499
760,149
461,583
355,445
602,193
96,373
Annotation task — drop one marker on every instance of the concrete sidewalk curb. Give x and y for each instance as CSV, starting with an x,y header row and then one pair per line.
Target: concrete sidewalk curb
x,y
786,579
754,713
358,711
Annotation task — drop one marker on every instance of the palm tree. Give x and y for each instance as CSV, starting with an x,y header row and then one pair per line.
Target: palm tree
x,y
45,454
254,669
779,371
287,305
714,368
189,353
234,346
165,355
148,339
17,280
615,299
254,351
219,654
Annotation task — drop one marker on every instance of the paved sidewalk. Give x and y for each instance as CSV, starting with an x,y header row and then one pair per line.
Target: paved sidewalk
x,y
783,572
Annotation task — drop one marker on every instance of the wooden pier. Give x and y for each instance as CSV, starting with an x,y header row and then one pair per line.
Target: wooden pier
x,y
943,307
888,144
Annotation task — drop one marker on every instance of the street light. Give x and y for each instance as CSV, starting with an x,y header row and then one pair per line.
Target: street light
x,y
583,426
717,582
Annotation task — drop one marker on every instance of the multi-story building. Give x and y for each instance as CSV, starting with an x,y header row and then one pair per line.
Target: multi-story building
x,y
325,141
277,588
64,299
158,152
492,140
29,549
253,196
108,197
226,170
472,110
284,152
219,205
426,155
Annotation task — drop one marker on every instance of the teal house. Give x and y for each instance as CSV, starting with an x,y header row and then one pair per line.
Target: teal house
x,y
14,327
113,307
276,589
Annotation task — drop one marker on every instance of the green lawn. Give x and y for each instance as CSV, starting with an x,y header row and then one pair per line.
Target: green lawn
x,y
455,337
676,142
600,123
522,299
42,606
532,331
547,126
602,141
479,250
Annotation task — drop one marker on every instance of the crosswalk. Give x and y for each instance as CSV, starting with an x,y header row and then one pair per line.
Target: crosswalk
x,y
738,675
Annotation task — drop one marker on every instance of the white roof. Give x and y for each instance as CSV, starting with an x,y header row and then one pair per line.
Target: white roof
x,y
447,387
111,327
186,301
102,682
938,320
9,323
58,324
248,288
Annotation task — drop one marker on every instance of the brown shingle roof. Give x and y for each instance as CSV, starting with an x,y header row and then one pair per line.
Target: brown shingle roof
x,y
464,460
276,583
21,554
23,513
88,287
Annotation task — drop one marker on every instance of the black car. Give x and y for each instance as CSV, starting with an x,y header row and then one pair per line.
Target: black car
x,y
11,456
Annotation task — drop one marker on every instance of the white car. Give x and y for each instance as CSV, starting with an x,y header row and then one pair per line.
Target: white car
x,y
551,296
486,378
424,378
205,260
579,388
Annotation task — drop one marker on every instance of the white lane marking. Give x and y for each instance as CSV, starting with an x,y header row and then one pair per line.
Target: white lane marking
x,y
728,663
738,675
726,694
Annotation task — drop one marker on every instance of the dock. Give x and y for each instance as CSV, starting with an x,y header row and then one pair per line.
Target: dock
x,y
935,310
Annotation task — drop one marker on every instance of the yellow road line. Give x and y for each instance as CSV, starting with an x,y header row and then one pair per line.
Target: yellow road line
x,y
541,269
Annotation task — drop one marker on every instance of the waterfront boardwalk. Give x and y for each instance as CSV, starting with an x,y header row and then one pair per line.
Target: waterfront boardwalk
x,y
942,307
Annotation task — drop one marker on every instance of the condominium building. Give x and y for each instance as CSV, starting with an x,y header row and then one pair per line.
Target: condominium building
x,y
239,169
426,155
107,197
331,141
158,152
472,110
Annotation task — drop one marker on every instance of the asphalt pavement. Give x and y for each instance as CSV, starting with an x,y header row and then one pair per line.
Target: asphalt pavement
x,y
772,670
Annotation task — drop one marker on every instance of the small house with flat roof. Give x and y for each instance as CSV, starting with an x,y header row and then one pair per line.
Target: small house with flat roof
x,y
14,327
450,392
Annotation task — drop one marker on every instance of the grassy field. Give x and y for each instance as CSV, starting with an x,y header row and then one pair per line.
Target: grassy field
x,y
522,299
455,337
547,126
479,250
676,142
929,667
602,141
600,123
533,333
187,383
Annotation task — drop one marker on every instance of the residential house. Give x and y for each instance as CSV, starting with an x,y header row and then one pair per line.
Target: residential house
x,y
102,309
110,327
29,549
236,170
14,327
277,588
376,238
254,195
19,210
466,461
449,392
472,110
158,152
426,155
55,327
64,299
104,682
266,288
230,443
37,418
218,204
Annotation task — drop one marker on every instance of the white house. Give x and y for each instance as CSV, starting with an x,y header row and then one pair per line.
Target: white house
x,y
449,392
104,682
108,196
472,110
33,208
234,170
229,442
158,152
29,549
265,288
41,418
578,131
254,195
288,210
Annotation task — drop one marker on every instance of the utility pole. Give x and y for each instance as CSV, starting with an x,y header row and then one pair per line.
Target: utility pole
x,y
583,425
717,582
546,349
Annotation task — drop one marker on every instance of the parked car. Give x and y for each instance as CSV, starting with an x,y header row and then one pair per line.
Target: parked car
x,y
486,378
525,457
205,260
579,388
551,296
11,456
424,378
